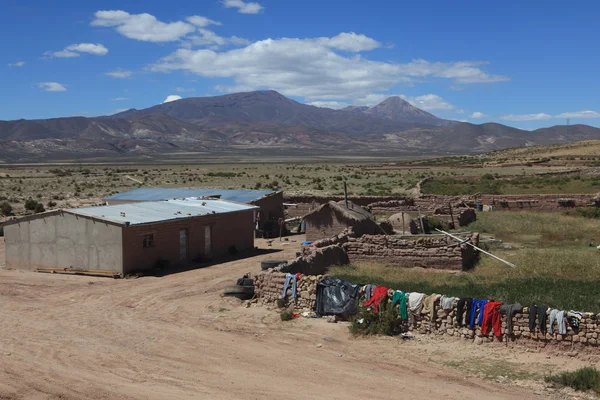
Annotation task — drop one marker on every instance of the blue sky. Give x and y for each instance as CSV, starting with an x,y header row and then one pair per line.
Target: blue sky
x,y
526,64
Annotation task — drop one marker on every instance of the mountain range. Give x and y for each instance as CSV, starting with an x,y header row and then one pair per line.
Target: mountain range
x,y
267,119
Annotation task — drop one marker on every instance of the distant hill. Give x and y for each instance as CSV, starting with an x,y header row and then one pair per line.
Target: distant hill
x,y
268,120
396,109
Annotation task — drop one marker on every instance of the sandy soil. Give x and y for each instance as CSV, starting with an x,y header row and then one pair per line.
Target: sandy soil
x,y
175,337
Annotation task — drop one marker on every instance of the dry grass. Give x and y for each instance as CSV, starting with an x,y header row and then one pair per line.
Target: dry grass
x,y
556,266
81,185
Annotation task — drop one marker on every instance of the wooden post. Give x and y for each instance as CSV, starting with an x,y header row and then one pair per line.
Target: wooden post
x,y
451,216
281,225
346,194
403,231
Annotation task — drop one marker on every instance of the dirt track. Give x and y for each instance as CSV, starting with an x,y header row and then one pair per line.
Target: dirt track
x,y
175,337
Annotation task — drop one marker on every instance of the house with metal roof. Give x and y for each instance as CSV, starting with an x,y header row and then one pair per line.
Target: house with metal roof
x,y
267,218
125,238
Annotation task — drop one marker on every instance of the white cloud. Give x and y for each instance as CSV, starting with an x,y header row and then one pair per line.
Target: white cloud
x,y
144,27
52,87
119,73
526,117
336,105
351,42
311,68
75,50
172,97
183,90
429,102
192,32
579,114
120,99
205,37
17,64
243,7
201,21
544,116
424,102
477,114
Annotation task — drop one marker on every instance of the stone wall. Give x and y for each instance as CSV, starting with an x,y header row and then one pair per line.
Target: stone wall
x,y
315,260
269,286
386,206
428,252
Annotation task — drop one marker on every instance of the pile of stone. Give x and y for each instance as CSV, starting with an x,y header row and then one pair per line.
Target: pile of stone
x,y
268,288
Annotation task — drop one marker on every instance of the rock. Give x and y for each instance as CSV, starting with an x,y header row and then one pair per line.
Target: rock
x,y
478,340
331,319
319,345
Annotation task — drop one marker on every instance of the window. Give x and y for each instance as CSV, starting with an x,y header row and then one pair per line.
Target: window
x,y
148,241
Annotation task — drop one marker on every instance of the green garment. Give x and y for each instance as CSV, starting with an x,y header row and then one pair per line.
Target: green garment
x,y
400,298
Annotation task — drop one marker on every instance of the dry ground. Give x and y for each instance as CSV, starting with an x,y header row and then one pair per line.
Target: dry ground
x,y
175,337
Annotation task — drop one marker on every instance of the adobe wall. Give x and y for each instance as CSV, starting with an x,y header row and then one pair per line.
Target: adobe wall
x,y
427,252
269,287
382,205
542,202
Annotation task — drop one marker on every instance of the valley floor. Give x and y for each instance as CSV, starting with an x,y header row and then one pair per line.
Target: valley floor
x,y
175,337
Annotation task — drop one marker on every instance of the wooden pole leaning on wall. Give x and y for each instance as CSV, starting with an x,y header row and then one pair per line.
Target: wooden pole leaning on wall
x,y
475,247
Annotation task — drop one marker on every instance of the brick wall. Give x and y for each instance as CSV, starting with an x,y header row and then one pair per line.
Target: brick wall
x,y
427,252
235,229
271,209
269,288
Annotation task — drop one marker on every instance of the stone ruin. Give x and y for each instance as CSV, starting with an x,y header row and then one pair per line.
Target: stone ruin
x,y
430,251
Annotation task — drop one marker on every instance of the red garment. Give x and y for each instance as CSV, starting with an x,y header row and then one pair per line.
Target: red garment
x,y
298,275
491,316
378,294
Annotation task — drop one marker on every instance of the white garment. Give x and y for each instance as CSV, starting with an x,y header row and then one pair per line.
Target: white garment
x,y
415,302
559,317
448,303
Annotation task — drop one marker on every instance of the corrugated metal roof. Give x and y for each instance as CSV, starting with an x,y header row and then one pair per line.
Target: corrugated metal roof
x,y
157,211
157,194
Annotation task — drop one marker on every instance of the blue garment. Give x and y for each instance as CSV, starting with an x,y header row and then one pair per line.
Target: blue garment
x,y
477,304
289,278
369,291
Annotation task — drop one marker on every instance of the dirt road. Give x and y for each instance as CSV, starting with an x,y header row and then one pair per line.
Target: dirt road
x,y
175,337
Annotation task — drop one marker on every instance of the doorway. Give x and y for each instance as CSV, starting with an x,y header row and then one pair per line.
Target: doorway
x,y
183,245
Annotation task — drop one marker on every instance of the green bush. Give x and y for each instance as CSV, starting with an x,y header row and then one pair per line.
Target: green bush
x,y
385,322
583,379
6,209
286,316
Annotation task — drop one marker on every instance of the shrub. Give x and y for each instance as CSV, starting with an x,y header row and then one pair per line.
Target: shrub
x,y
386,322
39,208
30,204
583,379
51,204
6,209
286,316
